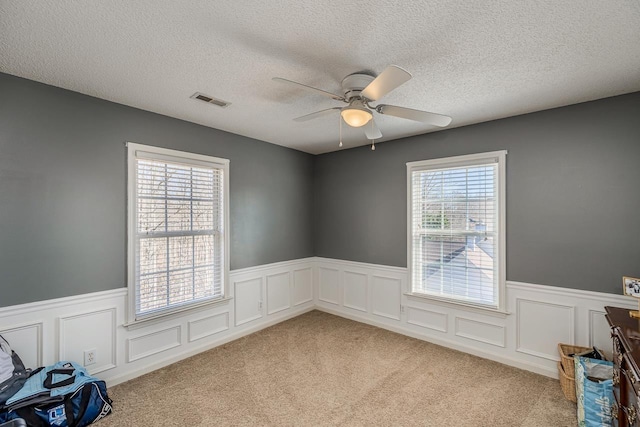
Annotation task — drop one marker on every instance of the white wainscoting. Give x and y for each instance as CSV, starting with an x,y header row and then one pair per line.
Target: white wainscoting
x,y
74,336
208,325
28,338
62,329
328,285
248,300
539,317
302,286
354,292
278,292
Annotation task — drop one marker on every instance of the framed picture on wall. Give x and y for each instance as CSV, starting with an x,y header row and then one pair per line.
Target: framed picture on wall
x,y
631,286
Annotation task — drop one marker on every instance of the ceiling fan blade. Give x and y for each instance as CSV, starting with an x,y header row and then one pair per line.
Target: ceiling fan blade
x,y
315,115
371,130
392,77
417,115
309,88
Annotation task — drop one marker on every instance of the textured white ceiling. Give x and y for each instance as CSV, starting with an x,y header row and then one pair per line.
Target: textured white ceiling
x,y
473,61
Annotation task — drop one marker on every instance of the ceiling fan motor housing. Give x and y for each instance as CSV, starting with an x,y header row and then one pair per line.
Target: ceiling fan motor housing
x,y
355,83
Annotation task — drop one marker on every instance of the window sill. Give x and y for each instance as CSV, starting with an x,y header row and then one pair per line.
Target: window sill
x,y
177,312
459,304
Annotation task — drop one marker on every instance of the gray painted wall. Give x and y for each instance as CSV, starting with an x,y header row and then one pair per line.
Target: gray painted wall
x,y
63,190
573,197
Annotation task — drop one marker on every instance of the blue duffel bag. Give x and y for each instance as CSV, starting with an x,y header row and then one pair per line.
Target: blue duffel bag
x,y
62,395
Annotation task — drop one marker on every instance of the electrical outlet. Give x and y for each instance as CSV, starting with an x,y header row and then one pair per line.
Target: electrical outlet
x,y
89,357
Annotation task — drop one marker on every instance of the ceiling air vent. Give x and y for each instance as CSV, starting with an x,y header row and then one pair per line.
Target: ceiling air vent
x,y
210,100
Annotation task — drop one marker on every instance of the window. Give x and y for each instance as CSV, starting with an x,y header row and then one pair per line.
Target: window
x,y
177,232
456,224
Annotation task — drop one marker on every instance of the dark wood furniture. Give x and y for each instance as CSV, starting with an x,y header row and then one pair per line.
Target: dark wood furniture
x,y
625,333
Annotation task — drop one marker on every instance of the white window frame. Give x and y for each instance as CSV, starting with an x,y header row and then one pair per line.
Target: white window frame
x,y
183,157
462,161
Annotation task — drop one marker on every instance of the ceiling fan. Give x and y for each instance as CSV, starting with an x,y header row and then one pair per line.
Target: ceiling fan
x,y
359,89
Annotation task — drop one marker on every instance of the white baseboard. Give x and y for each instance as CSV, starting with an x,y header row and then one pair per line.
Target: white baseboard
x,y
539,318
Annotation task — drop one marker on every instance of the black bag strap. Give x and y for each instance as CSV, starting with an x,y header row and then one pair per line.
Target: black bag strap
x,y
35,371
49,384
84,402
68,411
30,416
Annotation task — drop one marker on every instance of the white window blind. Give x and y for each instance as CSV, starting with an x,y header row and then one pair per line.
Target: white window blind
x,y
179,235
455,230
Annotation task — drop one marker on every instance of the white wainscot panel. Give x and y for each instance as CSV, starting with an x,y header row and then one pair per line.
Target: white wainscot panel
x,y
355,291
95,330
329,285
278,292
207,326
385,297
480,331
154,343
427,319
540,326
248,300
302,286
26,340
599,332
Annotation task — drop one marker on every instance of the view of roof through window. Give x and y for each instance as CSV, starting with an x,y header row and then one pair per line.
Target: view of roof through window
x,y
454,232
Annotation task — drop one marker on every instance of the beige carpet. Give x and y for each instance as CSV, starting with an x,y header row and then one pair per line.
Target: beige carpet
x,y
322,370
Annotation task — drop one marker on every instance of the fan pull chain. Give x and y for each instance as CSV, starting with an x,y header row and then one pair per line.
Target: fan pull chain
x,y
373,141
340,126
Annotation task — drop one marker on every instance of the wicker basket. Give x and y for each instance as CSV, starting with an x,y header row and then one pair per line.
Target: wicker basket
x,y
567,361
567,383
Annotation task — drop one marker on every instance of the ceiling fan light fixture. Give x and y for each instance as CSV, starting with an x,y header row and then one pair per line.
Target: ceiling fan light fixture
x,y
358,90
356,116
